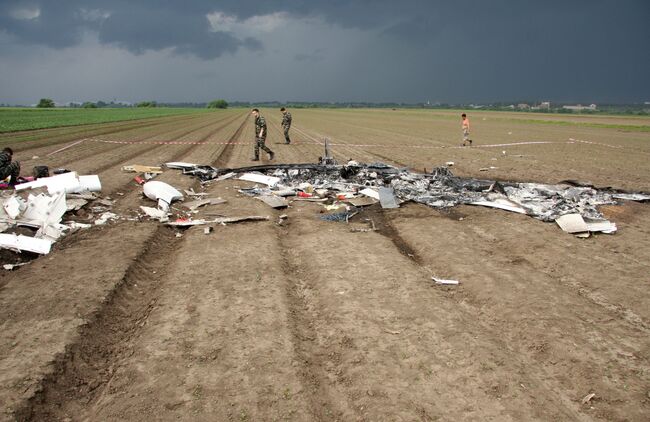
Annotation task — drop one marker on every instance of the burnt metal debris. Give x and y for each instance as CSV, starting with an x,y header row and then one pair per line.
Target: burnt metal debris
x,y
438,189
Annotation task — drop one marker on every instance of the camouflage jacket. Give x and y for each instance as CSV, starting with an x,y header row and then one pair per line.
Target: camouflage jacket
x,y
286,119
5,159
260,123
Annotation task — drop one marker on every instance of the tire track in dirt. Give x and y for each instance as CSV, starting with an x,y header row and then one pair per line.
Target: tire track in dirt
x,y
131,191
96,149
226,153
541,376
322,401
61,138
85,369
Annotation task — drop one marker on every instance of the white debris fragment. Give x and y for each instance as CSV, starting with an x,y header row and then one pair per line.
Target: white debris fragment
x,y
13,206
10,267
372,193
180,165
105,217
25,243
501,203
69,182
260,178
445,282
162,192
155,213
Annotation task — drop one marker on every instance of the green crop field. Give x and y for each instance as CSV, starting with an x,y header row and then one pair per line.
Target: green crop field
x,y
16,119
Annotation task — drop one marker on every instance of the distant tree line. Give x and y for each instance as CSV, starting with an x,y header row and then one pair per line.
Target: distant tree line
x,y
624,109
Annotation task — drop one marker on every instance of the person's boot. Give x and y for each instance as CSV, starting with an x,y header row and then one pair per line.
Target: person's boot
x,y
271,155
255,159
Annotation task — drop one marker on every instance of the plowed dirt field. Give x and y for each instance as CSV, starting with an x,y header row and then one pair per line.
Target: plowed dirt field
x,y
308,320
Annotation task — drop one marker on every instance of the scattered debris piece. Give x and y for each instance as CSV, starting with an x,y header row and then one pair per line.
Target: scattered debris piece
x,y
274,201
162,192
631,197
572,223
74,204
67,182
191,192
576,224
10,267
192,205
217,201
387,198
600,225
225,220
25,243
155,213
207,230
225,176
137,168
363,201
372,193
501,203
105,217
219,220
450,163
445,282
340,216
180,165
13,206
260,178
105,202
309,199
335,206
586,399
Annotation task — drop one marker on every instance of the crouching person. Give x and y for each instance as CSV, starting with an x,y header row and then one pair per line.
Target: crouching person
x,y
8,167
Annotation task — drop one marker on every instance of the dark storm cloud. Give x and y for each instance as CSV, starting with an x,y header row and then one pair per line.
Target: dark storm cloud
x,y
141,29
409,50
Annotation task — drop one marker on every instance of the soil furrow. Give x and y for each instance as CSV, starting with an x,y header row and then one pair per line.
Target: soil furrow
x,y
44,138
84,370
302,315
226,153
147,147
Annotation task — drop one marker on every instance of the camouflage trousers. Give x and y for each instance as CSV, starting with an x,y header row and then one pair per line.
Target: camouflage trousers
x,y
261,143
286,134
12,169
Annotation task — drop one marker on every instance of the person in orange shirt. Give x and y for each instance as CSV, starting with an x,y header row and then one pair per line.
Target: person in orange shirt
x,y
465,127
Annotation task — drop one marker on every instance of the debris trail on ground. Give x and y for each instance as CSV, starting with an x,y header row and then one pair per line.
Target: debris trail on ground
x,y
439,189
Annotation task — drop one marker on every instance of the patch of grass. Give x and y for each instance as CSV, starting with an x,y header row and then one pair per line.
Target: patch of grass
x,y
16,119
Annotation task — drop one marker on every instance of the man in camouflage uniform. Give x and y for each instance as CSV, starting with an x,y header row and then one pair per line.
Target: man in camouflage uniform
x,y
9,168
286,124
260,136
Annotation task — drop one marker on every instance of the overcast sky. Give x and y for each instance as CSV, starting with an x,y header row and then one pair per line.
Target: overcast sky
x,y
335,50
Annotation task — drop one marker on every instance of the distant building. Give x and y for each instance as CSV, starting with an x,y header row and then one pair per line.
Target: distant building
x,y
579,107
544,105
523,106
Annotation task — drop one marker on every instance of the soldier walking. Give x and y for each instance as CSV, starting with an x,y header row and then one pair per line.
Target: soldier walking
x,y
286,124
260,136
